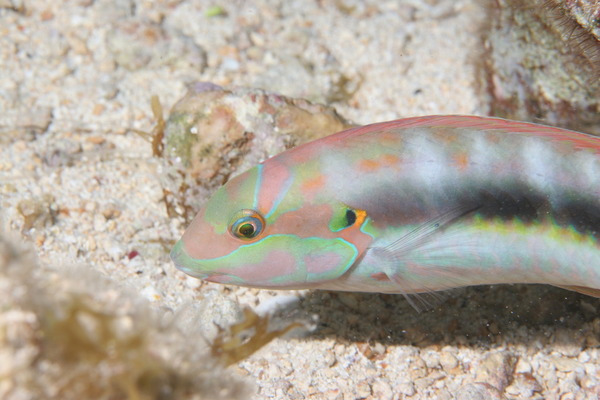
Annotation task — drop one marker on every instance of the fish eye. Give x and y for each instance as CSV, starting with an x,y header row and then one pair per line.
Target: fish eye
x,y
246,224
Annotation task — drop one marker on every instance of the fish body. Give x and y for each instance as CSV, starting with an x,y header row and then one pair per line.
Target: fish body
x,y
409,206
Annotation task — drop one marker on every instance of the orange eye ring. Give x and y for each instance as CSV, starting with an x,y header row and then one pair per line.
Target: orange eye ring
x,y
246,224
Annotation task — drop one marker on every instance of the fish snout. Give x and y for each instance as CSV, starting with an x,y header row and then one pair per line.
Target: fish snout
x,y
185,263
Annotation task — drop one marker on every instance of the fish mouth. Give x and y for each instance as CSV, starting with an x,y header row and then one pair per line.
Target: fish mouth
x,y
193,267
217,278
185,263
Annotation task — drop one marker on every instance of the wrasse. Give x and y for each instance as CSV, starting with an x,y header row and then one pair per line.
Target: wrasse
x,y
409,206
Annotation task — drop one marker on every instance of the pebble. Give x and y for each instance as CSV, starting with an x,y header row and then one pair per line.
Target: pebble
x,y
113,248
406,388
91,244
479,391
151,293
583,357
523,386
431,359
565,364
448,361
192,283
382,390
590,382
522,366
496,369
418,369
99,223
363,389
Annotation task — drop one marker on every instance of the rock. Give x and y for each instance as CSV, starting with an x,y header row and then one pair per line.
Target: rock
x,y
524,386
543,63
382,390
566,364
211,127
496,369
38,212
406,388
418,369
479,391
448,361
214,133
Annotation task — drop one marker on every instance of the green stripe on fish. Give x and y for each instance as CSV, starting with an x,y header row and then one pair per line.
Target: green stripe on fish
x,y
306,260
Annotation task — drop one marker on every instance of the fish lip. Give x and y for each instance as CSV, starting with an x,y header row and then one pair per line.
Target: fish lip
x,y
178,253
191,271
179,257
175,256
210,277
214,278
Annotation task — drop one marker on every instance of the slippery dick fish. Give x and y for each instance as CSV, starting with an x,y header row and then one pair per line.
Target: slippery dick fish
x,y
409,206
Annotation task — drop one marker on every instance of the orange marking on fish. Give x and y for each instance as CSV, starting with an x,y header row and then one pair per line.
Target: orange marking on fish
x,y
389,137
380,276
314,184
369,165
443,134
361,215
390,160
461,161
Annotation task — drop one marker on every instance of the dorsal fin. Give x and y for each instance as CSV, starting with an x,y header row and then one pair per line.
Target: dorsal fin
x,y
577,139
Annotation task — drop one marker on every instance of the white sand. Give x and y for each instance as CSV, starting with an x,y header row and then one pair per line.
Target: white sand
x,y
76,76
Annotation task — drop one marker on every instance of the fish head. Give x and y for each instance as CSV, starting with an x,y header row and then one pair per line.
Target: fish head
x,y
266,229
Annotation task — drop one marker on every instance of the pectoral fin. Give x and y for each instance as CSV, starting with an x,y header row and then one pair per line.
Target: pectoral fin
x,y
408,260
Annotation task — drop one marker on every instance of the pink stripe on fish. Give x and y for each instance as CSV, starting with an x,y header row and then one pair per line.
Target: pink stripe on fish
x,y
275,181
321,263
282,263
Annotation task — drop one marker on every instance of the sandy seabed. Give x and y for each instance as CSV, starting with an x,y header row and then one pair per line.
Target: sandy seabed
x,y
76,78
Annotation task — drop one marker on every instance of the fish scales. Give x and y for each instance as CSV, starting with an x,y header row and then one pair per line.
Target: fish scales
x,y
409,206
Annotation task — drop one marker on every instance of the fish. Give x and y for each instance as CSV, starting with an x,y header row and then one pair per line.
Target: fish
x,y
411,206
